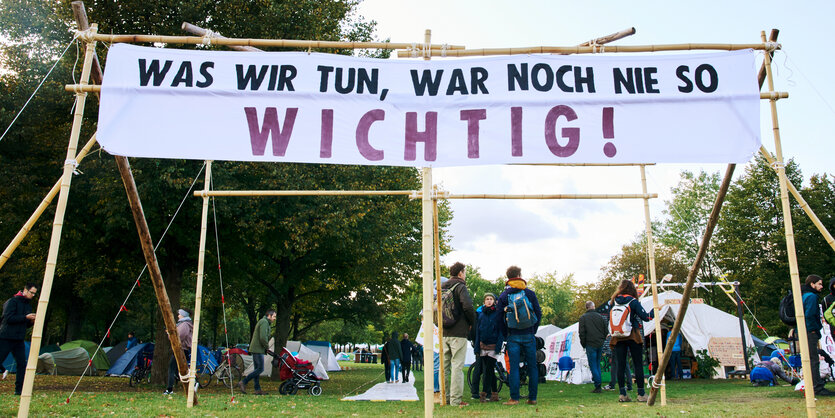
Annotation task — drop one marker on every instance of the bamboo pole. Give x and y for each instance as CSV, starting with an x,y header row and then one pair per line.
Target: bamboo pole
x,y
610,38
691,279
278,43
790,249
240,193
55,242
588,49
197,30
551,196
198,290
803,204
439,318
583,164
655,307
428,331
7,253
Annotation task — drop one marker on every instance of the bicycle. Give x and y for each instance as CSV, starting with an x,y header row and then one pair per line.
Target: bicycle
x,y
229,370
501,375
142,371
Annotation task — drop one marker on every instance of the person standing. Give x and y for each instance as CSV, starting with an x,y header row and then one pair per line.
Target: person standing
x,y
384,359
627,312
258,346
17,317
185,329
132,341
811,308
518,324
593,331
675,358
487,345
406,348
455,336
394,355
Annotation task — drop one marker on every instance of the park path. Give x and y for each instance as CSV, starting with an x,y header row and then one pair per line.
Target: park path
x,y
388,392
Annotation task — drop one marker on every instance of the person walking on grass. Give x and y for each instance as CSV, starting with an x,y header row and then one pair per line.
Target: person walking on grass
x,y
185,329
258,346
626,325
811,308
17,317
487,346
406,348
593,331
394,355
461,317
518,322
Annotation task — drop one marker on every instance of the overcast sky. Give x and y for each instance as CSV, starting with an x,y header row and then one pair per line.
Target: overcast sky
x,y
580,236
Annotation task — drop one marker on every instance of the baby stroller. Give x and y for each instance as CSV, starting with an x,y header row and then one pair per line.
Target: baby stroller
x,y
295,374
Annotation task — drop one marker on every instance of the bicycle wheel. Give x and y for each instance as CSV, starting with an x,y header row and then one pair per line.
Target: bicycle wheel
x,y
204,379
134,379
470,375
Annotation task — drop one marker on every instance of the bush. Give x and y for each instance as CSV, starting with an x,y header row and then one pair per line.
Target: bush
x,y
707,365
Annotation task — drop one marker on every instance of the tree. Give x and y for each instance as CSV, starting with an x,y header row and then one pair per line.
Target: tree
x,y
556,297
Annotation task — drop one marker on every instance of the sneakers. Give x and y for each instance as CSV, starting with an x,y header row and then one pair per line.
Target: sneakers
x,y
597,390
642,398
196,386
168,392
511,402
608,387
241,388
794,381
533,402
437,397
824,392
5,373
624,398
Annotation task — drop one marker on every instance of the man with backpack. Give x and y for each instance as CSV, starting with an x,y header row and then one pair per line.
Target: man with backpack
x,y
458,316
593,329
811,308
518,325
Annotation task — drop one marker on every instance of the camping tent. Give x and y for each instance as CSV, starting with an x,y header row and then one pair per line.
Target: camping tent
x,y
10,365
545,331
704,327
325,354
71,362
124,365
343,356
115,352
99,361
298,349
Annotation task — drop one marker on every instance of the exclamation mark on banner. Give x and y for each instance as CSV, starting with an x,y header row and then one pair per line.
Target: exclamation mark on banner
x,y
609,131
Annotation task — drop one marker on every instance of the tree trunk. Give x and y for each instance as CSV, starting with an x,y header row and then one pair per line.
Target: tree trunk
x,y
284,309
75,312
162,347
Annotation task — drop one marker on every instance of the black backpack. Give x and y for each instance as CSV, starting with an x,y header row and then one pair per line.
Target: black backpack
x,y
787,310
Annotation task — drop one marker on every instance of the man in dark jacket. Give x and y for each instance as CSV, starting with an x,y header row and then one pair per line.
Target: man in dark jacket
x,y
521,343
593,332
406,348
17,317
811,308
455,336
394,355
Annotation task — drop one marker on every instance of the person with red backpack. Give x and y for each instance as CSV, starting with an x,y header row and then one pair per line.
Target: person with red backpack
x,y
626,318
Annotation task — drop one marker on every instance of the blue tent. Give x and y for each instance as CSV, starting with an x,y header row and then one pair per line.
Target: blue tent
x,y
9,362
125,364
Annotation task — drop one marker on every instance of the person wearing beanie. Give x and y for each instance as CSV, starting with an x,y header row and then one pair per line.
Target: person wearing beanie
x,y
185,329
519,307
487,346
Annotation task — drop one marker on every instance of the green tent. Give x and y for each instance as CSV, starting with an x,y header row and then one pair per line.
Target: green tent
x,y
99,361
779,342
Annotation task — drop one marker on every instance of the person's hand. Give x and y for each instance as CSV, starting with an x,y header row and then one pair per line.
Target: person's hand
x,y
30,317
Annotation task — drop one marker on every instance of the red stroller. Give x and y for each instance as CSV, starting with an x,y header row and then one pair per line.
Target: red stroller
x,y
295,374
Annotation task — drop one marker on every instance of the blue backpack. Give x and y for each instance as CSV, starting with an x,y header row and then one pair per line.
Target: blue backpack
x,y
519,314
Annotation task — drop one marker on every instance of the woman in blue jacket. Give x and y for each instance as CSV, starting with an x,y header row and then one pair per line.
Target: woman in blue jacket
x,y
627,296
487,345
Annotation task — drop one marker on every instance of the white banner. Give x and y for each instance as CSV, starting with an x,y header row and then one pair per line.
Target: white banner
x,y
324,108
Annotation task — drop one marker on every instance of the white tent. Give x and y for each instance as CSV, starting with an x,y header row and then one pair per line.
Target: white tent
x,y
298,349
545,331
704,327
325,354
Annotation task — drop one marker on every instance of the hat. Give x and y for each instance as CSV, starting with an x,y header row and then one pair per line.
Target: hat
x,y
183,313
492,295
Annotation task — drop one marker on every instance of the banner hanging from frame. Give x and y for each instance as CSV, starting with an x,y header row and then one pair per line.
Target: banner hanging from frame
x,y
334,109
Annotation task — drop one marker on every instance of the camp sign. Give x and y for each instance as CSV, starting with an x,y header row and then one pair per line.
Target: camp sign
x,y
334,109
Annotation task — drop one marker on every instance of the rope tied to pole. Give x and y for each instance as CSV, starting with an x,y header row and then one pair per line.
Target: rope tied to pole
x,y
207,37
772,46
413,50
86,35
777,165
654,384
426,51
444,48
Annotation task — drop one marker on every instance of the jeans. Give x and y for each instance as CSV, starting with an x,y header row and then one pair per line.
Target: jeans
x,y
614,372
813,337
18,350
675,361
174,371
407,367
455,353
394,367
594,353
522,348
635,349
258,363
437,365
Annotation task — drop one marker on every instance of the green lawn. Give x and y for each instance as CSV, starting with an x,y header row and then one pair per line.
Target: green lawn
x,y
112,396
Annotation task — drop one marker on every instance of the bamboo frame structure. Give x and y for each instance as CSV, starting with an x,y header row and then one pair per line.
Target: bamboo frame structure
x,y
55,241
198,293
550,196
790,248
242,193
597,49
438,302
426,249
47,200
653,281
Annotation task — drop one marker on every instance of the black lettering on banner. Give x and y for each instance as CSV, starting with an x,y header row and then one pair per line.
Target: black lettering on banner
x,y
153,70
426,82
253,78
323,83
184,75
714,78
681,73
549,77
364,81
207,76
457,83
516,77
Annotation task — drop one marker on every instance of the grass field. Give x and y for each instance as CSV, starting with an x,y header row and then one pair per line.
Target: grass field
x,y
109,396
